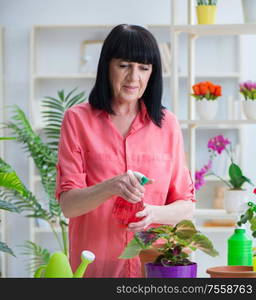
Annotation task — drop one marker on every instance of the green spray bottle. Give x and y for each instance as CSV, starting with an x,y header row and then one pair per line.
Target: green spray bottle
x,y
240,250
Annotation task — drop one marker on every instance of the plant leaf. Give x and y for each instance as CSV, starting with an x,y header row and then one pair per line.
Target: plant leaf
x,y
11,181
236,176
146,238
6,249
253,223
7,138
38,255
185,229
8,206
131,250
246,217
200,241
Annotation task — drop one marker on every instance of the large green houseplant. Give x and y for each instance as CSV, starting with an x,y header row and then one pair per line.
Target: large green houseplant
x,y
44,156
173,255
9,180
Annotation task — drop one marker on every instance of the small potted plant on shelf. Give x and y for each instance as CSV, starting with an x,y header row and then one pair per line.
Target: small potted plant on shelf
x,y
206,11
248,90
206,94
249,8
172,260
235,195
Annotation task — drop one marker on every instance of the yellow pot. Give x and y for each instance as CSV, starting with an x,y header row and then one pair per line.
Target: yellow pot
x,y
206,14
254,263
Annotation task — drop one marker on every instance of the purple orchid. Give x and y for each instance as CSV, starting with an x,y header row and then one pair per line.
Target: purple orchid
x,y
218,144
199,177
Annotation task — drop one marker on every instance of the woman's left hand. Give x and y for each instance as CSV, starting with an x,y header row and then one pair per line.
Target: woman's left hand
x,y
149,217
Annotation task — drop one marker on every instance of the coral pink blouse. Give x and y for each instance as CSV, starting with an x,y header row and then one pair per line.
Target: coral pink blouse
x,y
92,150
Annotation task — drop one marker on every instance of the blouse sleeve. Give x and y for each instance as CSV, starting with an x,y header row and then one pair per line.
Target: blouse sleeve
x,y
181,184
70,166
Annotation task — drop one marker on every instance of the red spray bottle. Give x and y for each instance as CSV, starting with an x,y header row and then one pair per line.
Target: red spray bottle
x,y
124,211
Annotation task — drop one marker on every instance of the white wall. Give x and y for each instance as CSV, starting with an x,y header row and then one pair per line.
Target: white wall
x,y
18,16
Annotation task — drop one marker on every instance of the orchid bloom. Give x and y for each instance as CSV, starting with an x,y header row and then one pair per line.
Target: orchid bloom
x,y
218,143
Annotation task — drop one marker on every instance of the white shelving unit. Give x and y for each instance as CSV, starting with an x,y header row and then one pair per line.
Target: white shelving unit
x,y
2,214
194,34
222,34
54,64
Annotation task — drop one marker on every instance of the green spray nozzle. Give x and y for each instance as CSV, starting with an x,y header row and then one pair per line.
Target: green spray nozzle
x,y
142,178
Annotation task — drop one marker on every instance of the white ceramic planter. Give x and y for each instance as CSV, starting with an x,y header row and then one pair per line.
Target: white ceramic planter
x,y
234,200
249,108
207,110
249,11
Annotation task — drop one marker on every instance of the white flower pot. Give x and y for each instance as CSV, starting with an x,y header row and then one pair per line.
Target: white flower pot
x,y
249,108
207,110
249,11
234,201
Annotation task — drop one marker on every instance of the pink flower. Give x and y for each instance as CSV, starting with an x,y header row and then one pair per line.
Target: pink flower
x,y
199,176
218,143
248,85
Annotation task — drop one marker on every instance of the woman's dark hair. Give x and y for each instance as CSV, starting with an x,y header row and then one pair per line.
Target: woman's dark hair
x,y
131,43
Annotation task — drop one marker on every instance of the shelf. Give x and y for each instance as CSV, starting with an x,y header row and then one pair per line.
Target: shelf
x,y
216,229
217,29
216,213
64,76
93,76
74,26
214,76
217,123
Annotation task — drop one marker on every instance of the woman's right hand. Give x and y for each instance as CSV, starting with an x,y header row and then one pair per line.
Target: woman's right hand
x,y
128,187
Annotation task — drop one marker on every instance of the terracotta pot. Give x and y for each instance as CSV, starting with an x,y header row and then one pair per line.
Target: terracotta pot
x,y
232,272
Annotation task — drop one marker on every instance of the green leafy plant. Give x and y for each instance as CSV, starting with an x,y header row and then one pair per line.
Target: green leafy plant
x,y
206,2
8,180
44,156
249,216
178,239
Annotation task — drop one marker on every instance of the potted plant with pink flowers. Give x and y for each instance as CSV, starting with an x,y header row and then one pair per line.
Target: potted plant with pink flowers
x,y
235,194
248,90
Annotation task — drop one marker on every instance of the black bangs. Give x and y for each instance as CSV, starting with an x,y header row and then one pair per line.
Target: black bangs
x,y
134,48
133,43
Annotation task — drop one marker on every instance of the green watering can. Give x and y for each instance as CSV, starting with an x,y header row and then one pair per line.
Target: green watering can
x,y
59,267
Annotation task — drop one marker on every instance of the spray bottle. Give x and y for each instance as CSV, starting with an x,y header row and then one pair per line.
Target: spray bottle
x,y
239,248
124,211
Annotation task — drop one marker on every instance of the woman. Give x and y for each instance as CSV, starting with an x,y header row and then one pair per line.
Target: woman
x,y
123,127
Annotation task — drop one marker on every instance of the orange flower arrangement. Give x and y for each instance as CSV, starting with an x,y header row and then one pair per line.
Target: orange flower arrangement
x,y
206,90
